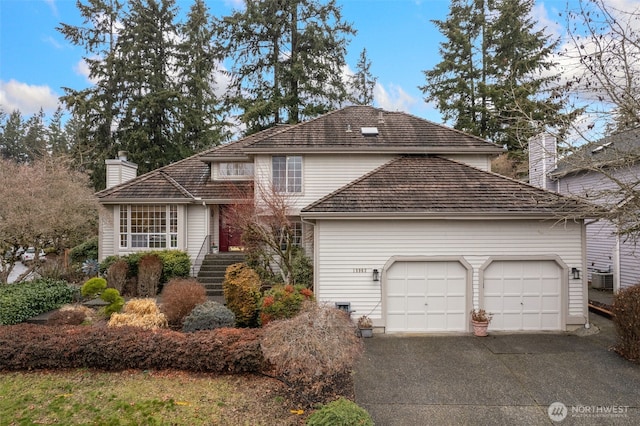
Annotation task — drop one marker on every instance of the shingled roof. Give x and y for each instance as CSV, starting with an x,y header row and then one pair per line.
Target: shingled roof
x,y
185,180
361,129
368,129
617,150
428,186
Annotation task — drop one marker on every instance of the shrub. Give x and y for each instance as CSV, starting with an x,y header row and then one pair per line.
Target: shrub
x,y
121,348
283,301
93,287
179,297
626,308
208,316
21,301
149,274
117,275
302,268
241,287
143,313
313,350
114,300
340,412
84,251
66,317
175,263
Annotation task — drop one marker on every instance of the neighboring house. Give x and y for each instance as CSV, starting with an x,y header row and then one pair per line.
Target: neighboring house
x,y
613,261
406,222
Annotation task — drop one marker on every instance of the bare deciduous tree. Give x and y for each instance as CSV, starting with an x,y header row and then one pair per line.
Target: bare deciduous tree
x,y
44,203
603,62
268,232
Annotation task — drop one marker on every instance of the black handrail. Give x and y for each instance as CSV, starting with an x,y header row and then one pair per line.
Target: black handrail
x,y
204,250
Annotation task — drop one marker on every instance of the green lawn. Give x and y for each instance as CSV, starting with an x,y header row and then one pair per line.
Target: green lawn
x,y
142,398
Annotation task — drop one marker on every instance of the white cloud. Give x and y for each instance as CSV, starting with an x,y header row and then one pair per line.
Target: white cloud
x,y
235,4
26,98
53,42
393,99
82,68
540,15
52,5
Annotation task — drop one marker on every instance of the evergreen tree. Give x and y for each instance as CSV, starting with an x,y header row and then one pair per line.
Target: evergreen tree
x,y
362,82
12,132
57,143
492,79
97,107
35,137
287,58
201,120
146,62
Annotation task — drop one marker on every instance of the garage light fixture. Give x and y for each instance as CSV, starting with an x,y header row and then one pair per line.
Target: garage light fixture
x,y
376,275
575,273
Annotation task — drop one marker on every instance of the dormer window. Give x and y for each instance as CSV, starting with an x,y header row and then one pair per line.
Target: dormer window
x,y
235,170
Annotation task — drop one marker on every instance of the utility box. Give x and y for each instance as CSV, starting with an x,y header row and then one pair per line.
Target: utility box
x,y
602,280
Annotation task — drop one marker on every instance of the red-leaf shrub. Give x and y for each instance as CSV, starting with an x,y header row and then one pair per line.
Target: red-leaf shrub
x,y
29,346
149,274
117,275
179,297
283,301
626,310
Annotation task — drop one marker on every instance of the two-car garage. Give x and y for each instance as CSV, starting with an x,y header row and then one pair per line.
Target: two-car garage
x,y
434,295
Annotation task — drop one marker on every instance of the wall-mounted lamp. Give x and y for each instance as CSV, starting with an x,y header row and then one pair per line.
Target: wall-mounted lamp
x,y
376,275
575,273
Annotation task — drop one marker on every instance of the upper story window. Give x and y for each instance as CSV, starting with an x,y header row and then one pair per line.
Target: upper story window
x,y
287,173
236,170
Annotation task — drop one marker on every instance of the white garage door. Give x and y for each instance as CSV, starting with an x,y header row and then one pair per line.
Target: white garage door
x,y
523,295
426,296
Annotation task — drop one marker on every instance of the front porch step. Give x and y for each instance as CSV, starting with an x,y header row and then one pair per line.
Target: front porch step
x,y
213,269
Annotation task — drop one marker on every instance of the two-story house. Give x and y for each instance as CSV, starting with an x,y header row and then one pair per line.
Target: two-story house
x,y
408,224
606,173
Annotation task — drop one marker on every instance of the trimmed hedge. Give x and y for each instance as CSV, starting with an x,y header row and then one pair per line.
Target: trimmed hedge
x,y
29,346
21,301
175,263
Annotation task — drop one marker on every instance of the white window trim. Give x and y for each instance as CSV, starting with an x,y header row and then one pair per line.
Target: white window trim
x,y
169,236
287,189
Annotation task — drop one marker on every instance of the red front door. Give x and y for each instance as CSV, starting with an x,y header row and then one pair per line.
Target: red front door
x,y
230,235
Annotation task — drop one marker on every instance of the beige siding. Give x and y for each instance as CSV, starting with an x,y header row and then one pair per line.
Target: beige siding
x,y
321,174
482,161
197,226
107,236
119,171
348,251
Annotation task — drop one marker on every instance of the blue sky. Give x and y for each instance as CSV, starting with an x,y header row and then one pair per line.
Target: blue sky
x,y
36,61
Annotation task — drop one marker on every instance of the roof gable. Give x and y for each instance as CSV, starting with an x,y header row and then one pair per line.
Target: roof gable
x,y
435,186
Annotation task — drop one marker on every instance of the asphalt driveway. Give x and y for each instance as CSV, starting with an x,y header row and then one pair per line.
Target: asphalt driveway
x,y
502,379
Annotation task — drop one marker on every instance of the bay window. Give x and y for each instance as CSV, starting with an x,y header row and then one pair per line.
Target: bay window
x,y
149,226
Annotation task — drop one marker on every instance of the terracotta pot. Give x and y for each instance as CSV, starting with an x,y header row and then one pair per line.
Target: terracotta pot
x,y
480,328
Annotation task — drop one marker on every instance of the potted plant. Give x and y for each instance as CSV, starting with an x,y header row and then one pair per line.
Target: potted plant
x,y
480,320
214,248
365,325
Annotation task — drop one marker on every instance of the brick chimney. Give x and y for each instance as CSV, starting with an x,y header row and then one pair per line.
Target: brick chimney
x,y
120,170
